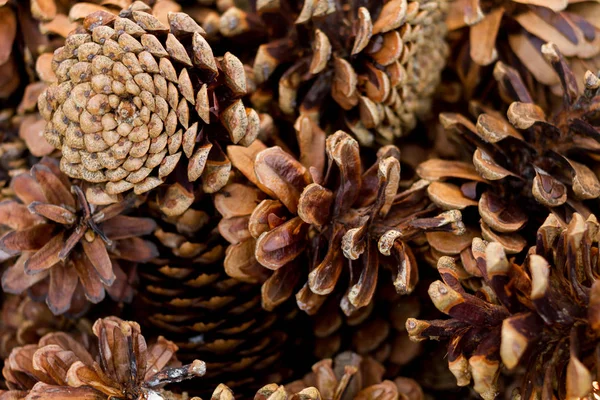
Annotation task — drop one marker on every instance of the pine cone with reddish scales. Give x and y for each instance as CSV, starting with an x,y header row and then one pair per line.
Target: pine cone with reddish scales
x,y
125,368
541,315
69,251
513,31
379,62
323,210
133,97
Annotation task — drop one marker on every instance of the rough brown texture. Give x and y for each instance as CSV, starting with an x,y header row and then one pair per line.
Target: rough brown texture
x,y
373,64
324,210
59,367
513,31
67,250
348,376
134,96
541,315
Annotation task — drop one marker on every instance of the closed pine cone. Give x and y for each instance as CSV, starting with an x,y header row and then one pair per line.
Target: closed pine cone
x,y
135,96
186,296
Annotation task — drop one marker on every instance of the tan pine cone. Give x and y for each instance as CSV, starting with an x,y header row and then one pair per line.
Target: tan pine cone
x,y
67,251
324,211
379,61
126,367
348,376
134,96
185,295
513,31
541,315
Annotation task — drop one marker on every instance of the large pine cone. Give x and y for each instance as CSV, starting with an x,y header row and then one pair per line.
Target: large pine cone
x,y
134,96
186,296
379,61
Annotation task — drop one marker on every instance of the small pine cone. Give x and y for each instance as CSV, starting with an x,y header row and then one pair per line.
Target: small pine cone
x,y
541,316
348,376
186,296
126,368
324,211
379,62
479,38
24,321
68,252
135,96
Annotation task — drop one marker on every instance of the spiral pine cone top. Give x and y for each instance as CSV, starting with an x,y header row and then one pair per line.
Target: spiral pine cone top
x,y
134,96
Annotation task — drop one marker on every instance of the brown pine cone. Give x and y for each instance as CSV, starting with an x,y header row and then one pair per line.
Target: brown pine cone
x,y
186,296
24,321
134,96
349,376
68,250
514,31
522,166
377,330
541,316
379,61
59,367
323,211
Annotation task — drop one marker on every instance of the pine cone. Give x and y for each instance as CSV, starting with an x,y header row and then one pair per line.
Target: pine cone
x,y
514,31
24,321
522,166
186,296
133,96
379,61
67,248
323,215
541,315
349,376
60,367
376,331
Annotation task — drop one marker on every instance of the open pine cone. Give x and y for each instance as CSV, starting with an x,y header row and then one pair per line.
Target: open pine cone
x,y
379,61
68,250
534,161
348,376
135,96
126,368
542,315
323,210
514,31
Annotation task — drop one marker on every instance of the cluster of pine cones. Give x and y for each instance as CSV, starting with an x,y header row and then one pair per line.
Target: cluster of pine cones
x,y
300,199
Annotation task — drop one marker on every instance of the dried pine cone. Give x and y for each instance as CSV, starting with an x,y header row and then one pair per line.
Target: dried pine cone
x,y
541,315
24,321
324,211
349,376
377,331
126,368
133,96
514,31
186,296
534,161
67,248
379,61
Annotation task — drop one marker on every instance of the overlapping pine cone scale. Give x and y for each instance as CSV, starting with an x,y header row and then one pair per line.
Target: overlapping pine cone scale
x,y
186,296
530,161
538,318
572,26
134,97
323,210
380,62
347,376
